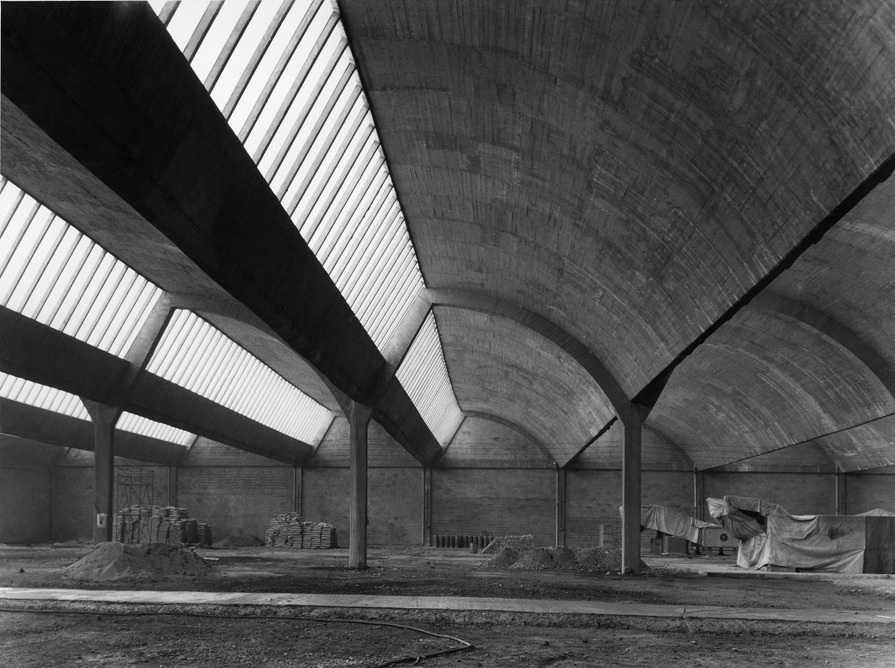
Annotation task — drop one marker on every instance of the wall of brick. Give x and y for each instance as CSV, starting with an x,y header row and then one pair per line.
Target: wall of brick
x,y
26,495
234,500
593,498
870,489
499,501
797,493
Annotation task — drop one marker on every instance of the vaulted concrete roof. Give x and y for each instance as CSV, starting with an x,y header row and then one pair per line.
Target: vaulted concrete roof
x,y
589,188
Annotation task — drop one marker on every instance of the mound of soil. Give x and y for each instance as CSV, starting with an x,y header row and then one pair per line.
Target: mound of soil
x,y
114,561
517,543
503,559
239,541
591,559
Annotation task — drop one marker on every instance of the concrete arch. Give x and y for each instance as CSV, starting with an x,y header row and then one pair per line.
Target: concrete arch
x,y
477,301
519,429
878,365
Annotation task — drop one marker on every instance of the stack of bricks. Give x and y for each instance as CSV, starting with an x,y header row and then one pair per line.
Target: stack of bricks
x,y
287,530
169,525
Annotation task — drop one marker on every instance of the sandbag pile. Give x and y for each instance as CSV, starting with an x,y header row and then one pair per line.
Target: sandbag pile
x,y
288,530
169,525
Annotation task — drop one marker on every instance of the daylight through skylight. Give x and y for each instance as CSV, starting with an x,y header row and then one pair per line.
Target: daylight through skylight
x,y
41,396
197,356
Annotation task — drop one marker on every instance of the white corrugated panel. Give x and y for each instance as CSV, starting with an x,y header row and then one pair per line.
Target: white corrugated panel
x,y
199,357
423,374
41,396
146,427
282,74
52,273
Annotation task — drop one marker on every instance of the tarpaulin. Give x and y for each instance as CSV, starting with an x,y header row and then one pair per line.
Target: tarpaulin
x,y
841,543
666,520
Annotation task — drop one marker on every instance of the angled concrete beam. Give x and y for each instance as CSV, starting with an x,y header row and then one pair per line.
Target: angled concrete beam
x,y
37,424
39,353
878,365
651,391
161,400
44,355
102,89
107,84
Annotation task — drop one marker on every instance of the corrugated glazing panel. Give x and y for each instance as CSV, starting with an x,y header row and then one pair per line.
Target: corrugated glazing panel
x,y
283,76
146,427
41,396
199,357
423,374
52,273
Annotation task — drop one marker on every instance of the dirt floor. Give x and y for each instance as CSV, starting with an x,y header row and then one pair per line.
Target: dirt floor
x,y
81,635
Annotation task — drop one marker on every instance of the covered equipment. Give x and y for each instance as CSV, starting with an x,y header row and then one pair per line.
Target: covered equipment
x,y
773,538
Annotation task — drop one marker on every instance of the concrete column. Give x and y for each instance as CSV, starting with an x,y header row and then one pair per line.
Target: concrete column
x,y
358,420
427,506
841,508
560,507
104,419
297,489
632,419
172,485
699,507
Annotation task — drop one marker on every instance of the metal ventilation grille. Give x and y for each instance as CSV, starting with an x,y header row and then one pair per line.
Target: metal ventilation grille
x,y
146,427
424,375
52,273
283,76
42,396
197,356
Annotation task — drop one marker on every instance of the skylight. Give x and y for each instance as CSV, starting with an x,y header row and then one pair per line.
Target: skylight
x,y
41,396
198,357
284,78
423,374
152,429
52,273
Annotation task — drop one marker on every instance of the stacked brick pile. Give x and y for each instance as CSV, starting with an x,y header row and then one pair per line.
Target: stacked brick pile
x,y
287,530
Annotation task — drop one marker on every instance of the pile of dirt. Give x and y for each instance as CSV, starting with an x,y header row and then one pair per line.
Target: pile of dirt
x,y
504,559
114,561
239,541
540,558
526,542
590,559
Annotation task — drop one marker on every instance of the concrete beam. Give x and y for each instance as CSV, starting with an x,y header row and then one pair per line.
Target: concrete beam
x,y
43,426
161,400
39,353
103,88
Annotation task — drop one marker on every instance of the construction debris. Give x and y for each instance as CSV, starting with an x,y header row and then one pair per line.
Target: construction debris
x,y
525,542
114,561
288,530
588,559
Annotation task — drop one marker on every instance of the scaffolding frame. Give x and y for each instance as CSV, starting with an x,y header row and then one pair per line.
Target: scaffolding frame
x,y
135,490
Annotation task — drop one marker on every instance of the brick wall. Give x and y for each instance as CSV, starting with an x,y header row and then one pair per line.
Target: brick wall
x,y
870,489
499,501
25,504
234,500
797,493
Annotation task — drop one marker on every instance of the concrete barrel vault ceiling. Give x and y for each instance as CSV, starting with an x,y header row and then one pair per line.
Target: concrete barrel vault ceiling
x,y
629,171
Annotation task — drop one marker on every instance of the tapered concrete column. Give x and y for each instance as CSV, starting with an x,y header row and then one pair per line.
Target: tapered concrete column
x,y
427,506
172,485
104,418
560,507
358,417
841,508
698,494
632,419
297,489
